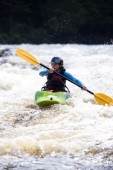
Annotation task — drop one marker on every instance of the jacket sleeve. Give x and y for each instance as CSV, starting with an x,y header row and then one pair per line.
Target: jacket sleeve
x,y
69,76
43,72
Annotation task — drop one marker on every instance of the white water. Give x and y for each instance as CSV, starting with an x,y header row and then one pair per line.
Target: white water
x,y
76,135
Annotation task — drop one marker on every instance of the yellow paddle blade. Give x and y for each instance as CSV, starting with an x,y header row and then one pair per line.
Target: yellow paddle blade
x,y
27,56
103,99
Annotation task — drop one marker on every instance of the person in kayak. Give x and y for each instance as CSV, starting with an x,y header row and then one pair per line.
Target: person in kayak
x,y
56,82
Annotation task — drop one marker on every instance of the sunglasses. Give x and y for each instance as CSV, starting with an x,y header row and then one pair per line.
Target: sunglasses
x,y
54,63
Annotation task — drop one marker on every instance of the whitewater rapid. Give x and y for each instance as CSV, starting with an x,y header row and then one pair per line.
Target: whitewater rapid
x,y
76,135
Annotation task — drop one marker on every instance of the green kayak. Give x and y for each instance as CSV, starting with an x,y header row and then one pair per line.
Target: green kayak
x,y
46,98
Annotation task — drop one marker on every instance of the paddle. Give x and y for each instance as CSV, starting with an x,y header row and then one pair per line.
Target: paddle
x,y
99,97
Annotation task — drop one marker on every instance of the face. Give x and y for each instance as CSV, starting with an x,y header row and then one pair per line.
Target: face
x,y
55,66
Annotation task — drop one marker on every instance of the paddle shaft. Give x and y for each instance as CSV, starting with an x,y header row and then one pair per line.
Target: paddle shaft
x,y
66,78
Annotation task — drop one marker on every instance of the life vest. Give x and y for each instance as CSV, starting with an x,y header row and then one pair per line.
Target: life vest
x,y
55,82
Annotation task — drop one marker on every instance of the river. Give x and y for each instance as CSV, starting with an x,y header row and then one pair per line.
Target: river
x,y
78,135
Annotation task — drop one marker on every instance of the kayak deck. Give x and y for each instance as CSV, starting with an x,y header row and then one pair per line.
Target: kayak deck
x,y
46,98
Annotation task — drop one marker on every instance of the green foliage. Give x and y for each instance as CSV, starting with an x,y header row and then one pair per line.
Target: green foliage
x,y
61,21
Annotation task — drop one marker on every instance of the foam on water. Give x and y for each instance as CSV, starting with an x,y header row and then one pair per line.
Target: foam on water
x,y
82,127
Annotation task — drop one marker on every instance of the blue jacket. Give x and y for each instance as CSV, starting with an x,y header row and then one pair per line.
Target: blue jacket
x,y
66,74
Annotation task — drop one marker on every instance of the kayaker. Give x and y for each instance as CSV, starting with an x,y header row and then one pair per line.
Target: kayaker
x,y
54,81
